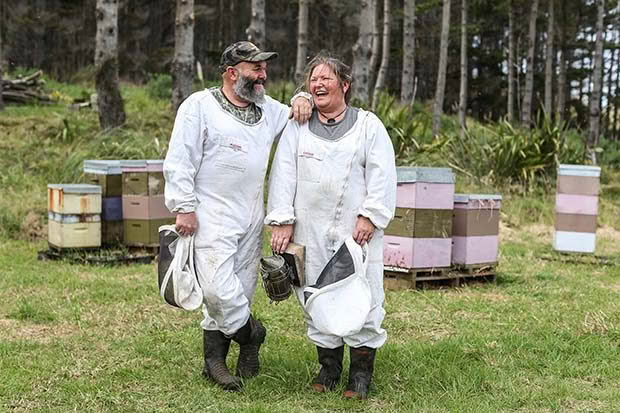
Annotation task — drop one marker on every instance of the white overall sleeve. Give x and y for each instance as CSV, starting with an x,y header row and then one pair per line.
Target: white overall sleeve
x,y
277,114
283,178
184,156
380,175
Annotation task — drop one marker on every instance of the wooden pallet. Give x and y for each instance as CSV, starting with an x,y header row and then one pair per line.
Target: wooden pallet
x,y
98,256
399,279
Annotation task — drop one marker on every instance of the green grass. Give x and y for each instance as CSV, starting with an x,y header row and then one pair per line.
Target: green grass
x,y
544,337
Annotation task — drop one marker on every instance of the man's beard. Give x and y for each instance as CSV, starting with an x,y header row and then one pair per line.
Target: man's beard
x,y
244,88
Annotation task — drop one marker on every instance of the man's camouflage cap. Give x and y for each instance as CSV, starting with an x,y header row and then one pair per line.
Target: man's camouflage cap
x,y
244,52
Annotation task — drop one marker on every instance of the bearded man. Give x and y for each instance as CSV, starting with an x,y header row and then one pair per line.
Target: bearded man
x,y
214,170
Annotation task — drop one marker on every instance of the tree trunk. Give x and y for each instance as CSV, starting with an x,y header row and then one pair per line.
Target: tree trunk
x,y
511,64
561,105
302,40
109,101
376,46
256,30
183,63
526,107
385,55
615,119
1,67
595,97
613,64
464,71
361,53
549,62
441,71
407,81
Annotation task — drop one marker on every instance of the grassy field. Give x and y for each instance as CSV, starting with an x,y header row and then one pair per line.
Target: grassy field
x,y
544,337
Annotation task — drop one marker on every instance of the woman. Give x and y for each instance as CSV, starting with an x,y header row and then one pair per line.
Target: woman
x,y
334,177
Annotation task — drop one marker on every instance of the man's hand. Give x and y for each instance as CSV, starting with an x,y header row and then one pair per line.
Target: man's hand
x,y
186,223
280,237
364,229
301,110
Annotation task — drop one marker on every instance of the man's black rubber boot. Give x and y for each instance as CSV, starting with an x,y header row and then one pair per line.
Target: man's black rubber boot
x,y
216,345
250,337
360,372
331,368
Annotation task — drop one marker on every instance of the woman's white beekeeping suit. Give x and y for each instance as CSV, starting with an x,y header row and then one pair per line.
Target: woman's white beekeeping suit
x,y
322,186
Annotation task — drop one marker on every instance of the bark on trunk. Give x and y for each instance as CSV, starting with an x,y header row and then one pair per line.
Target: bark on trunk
x,y
595,97
361,53
511,64
407,81
526,107
385,55
183,63
302,40
441,72
464,71
376,45
1,69
615,119
109,101
549,62
562,78
256,30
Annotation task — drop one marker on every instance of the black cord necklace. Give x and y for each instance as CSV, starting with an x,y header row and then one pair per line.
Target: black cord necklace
x,y
333,120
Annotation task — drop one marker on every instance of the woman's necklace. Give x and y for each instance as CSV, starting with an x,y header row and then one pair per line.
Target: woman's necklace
x,y
333,120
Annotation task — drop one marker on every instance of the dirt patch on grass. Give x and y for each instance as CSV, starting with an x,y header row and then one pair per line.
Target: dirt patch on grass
x,y
32,227
40,333
608,232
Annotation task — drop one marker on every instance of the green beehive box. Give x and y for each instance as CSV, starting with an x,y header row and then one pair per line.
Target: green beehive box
x,y
143,232
105,173
143,183
421,223
111,185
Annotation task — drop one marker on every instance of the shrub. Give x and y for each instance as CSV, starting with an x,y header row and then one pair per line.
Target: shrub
x,y
160,87
505,155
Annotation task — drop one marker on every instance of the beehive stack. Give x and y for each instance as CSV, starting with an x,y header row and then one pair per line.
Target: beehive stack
x,y
576,208
74,215
144,210
420,235
475,229
107,174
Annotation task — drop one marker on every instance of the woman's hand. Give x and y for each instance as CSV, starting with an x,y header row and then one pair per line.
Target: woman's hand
x,y
280,237
364,229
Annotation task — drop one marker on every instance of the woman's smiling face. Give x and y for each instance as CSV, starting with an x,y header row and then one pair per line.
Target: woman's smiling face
x,y
327,92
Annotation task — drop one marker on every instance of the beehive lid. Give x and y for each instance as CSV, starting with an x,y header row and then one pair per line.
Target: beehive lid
x,y
465,198
102,167
76,188
425,174
142,165
579,170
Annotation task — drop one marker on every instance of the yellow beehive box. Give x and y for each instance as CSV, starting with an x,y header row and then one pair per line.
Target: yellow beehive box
x,y
74,199
74,231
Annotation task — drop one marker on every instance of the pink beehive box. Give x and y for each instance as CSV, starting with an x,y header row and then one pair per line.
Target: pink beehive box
x,y
145,207
420,188
475,229
576,208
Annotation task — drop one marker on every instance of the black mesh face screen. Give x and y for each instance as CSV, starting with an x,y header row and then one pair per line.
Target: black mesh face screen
x,y
339,267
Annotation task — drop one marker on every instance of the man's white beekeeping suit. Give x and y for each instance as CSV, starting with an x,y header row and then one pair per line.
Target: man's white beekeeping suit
x,y
215,170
